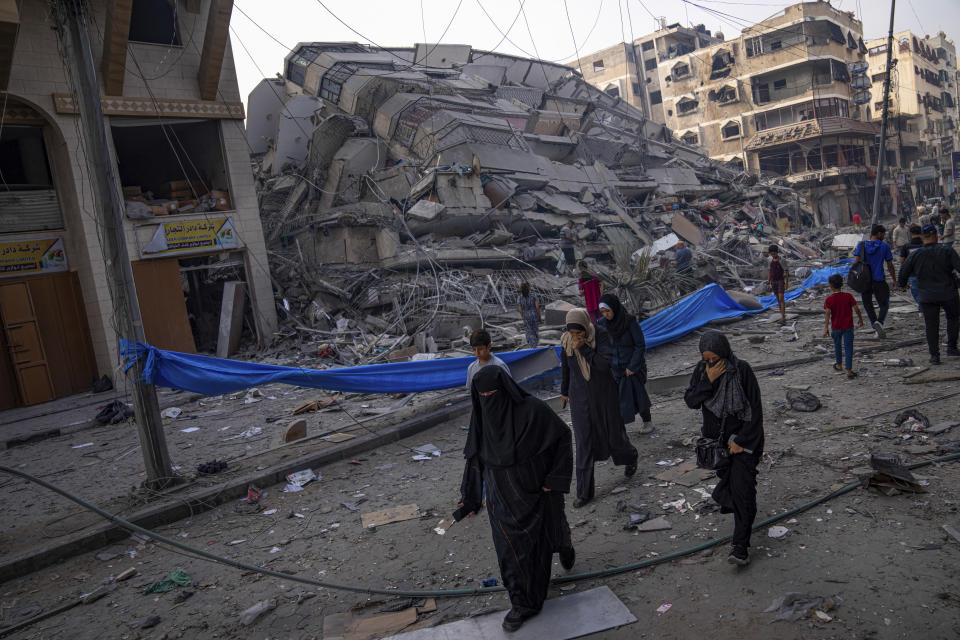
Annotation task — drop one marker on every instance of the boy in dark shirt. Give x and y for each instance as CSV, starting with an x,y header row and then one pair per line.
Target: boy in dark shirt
x,y
778,280
840,306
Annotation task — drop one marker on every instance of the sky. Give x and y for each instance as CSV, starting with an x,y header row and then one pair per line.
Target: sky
x,y
262,33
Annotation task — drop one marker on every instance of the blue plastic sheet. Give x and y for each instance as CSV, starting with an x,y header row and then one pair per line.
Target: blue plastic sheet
x,y
215,376
820,276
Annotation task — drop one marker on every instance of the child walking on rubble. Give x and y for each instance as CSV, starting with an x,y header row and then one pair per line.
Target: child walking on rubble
x,y
480,343
778,280
840,306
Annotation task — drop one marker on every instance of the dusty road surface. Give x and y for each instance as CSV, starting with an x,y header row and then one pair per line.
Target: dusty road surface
x,y
884,565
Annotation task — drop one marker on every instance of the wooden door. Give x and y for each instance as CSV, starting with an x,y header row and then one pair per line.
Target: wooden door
x,y
162,305
24,344
62,320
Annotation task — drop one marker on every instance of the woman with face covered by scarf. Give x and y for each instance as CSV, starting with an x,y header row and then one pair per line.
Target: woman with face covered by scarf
x,y
627,360
726,390
518,450
587,384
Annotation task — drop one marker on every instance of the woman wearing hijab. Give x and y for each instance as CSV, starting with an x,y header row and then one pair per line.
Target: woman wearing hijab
x,y
588,385
518,450
726,390
627,360
529,306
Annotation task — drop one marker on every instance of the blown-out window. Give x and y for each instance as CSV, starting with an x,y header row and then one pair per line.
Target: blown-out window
x,y
686,106
154,21
28,200
730,130
333,81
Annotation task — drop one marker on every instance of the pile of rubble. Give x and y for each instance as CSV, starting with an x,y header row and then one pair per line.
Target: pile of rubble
x,y
432,181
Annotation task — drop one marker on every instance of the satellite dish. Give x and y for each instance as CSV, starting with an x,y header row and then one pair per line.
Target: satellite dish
x,y
859,67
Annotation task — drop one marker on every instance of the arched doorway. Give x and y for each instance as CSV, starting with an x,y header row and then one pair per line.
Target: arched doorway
x,y
46,350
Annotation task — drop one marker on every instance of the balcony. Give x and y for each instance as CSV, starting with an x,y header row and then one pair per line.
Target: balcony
x,y
807,129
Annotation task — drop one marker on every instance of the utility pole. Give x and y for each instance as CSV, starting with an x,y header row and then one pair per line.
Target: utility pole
x,y
883,121
72,30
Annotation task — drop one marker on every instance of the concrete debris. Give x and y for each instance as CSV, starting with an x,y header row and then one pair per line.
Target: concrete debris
x,y
795,606
412,201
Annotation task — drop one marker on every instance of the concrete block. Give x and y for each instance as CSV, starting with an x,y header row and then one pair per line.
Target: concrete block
x,y
555,313
231,318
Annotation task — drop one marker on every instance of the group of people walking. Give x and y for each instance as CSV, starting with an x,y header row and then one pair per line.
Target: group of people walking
x,y
519,456
928,269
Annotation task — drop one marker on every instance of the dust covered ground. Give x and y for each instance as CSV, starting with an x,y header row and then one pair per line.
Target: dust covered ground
x,y
885,562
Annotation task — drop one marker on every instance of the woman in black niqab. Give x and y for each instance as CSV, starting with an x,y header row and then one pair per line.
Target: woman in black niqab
x,y
519,451
725,389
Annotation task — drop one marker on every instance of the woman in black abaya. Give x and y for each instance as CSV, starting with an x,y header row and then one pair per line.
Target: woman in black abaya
x,y
726,390
519,451
627,360
587,383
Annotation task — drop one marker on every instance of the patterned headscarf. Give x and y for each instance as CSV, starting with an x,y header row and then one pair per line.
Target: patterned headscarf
x,y
579,319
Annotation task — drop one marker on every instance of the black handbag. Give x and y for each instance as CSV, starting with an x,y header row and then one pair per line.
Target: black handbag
x,y
860,277
713,453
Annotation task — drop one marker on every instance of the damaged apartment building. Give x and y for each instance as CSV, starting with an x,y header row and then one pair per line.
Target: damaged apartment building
x,y
923,129
192,226
437,158
788,100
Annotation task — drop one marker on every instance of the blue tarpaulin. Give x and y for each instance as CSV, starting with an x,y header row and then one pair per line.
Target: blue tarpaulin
x,y
214,376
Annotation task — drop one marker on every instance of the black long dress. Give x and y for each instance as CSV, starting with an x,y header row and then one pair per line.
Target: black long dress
x,y
515,451
595,410
736,491
628,351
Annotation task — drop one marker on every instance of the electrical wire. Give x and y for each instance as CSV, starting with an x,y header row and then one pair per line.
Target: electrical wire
x,y
311,63
573,37
505,34
360,35
524,51
442,593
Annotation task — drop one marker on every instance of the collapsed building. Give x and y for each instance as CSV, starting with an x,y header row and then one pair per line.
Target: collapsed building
x,y
405,193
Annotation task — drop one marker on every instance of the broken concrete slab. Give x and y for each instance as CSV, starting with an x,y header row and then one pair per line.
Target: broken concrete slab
x,y
425,210
655,524
686,474
555,313
562,618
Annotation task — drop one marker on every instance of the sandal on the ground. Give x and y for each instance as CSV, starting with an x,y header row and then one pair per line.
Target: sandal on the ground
x,y
837,367
851,375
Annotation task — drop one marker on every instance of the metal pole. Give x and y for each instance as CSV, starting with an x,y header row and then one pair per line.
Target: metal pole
x,y
883,123
109,212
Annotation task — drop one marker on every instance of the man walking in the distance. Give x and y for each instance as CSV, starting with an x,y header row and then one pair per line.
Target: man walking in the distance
x,y
876,252
568,240
933,265
901,235
916,242
949,228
